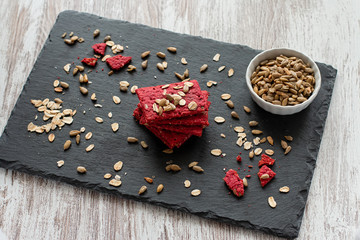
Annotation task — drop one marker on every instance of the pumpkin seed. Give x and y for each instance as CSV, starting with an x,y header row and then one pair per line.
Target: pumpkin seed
x,y
221,68
216,152
73,133
83,90
116,100
99,119
149,180
160,67
67,145
216,58
284,144
219,119
272,202
203,68
245,182
115,183
144,64
239,129
269,152
198,169
195,192
284,189
159,188
115,127
51,137
225,96
132,140
145,54
118,166
60,163
230,72
168,151
287,150
81,169
107,176
175,167
77,139
270,140
90,147
253,123
289,138
172,49
235,115
251,154
192,164
96,33
265,176
183,61
247,109
258,151
256,132
161,55
88,135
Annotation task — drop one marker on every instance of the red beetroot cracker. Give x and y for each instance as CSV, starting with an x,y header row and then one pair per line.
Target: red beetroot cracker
x,y
266,160
149,95
169,138
99,48
234,182
89,61
118,61
264,179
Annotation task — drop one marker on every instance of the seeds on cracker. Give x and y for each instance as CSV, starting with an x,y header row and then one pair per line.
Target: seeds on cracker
x,y
272,202
195,192
183,61
235,115
60,163
115,127
284,189
51,137
145,54
99,119
67,145
81,169
118,166
115,183
159,188
192,106
219,119
265,176
230,72
116,100
172,49
203,68
88,135
247,109
216,58
216,152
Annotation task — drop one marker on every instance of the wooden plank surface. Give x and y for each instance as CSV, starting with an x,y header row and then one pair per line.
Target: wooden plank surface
x,y
328,31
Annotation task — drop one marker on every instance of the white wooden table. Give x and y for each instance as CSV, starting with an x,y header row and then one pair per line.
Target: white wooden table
x,y
328,31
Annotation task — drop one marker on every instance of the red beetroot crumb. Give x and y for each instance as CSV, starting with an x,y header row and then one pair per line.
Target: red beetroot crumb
x,y
118,61
250,166
102,69
96,70
89,61
249,170
265,170
99,48
234,182
78,58
238,158
266,160
248,176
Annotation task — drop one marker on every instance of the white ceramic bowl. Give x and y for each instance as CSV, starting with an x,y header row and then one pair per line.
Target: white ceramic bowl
x,y
271,54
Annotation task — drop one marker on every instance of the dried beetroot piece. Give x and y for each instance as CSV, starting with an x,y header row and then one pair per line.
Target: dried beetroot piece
x,y
99,48
89,61
266,160
265,175
118,61
234,182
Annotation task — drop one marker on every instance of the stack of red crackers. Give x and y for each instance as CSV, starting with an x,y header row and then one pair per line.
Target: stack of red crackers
x,y
173,112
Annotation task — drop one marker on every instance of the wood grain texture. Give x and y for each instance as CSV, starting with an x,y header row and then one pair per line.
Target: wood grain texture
x,y
328,31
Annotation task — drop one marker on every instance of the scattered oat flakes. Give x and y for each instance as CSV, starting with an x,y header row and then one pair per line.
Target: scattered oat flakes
x,y
115,127
284,189
148,179
272,202
195,192
51,137
115,183
221,68
216,58
239,129
81,169
118,166
88,135
258,151
168,151
216,152
159,188
99,119
219,119
247,145
144,145
90,147
142,190
183,61
60,163
107,176
110,114
203,68
187,183
269,152
223,135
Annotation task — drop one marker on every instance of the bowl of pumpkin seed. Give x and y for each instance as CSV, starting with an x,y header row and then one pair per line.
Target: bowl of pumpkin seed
x,y
283,81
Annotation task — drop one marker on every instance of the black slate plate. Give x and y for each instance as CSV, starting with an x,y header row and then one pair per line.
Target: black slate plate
x,y
32,153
